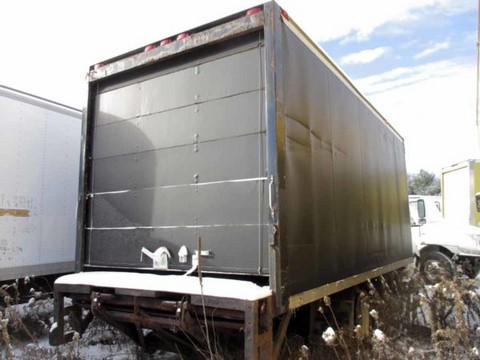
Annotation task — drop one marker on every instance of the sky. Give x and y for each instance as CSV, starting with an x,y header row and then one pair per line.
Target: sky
x,y
415,60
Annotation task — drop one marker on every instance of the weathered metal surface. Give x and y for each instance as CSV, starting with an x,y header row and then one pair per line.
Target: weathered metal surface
x,y
40,149
281,334
169,312
212,162
247,136
268,153
236,254
181,155
15,212
274,151
211,36
308,296
258,330
217,204
345,190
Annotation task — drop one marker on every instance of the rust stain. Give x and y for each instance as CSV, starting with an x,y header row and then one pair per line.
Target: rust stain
x,y
15,212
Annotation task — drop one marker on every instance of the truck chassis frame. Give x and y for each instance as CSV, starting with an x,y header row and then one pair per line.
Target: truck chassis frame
x,y
178,318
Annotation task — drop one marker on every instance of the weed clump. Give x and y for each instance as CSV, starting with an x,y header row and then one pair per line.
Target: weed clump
x,y
407,318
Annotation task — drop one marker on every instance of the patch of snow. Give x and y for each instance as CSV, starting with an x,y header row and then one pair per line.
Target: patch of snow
x,y
305,350
329,336
216,287
379,335
374,314
53,327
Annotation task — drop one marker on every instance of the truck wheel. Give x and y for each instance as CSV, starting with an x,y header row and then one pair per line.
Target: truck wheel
x,y
434,265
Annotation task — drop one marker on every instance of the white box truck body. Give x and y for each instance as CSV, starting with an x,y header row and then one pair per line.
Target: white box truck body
x,y
39,171
461,193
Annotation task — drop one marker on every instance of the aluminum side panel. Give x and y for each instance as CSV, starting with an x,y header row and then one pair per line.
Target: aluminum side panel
x,y
40,153
345,208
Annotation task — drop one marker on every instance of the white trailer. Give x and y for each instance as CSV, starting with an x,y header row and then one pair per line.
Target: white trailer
x,y
461,193
39,172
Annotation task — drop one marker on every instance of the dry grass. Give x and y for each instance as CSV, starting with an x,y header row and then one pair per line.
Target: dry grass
x,y
408,320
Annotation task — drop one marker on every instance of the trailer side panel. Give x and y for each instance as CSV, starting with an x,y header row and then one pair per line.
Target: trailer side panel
x,y
40,152
344,168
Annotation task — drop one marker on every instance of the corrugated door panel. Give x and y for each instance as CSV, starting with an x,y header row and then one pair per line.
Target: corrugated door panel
x,y
218,204
183,156
227,76
241,243
178,126
204,162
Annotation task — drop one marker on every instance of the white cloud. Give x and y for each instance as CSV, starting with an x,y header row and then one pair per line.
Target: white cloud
x,y
63,44
403,76
357,20
432,50
433,107
364,57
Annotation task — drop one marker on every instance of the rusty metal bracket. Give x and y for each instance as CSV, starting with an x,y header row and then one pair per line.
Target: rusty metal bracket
x,y
57,335
259,329
281,332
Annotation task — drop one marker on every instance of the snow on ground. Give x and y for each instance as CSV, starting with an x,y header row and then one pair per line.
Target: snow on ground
x,y
29,338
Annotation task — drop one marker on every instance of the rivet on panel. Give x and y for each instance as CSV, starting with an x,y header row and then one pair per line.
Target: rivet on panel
x,y
196,109
195,148
196,137
197,70
195,178
197,97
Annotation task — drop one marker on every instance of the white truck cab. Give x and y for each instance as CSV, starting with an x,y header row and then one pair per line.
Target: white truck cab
x,y
440,244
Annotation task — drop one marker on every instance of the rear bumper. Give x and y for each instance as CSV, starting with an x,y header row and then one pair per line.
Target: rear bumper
x,y
132,302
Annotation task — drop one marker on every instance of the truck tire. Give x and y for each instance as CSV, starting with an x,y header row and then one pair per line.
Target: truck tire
x,y
434,265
